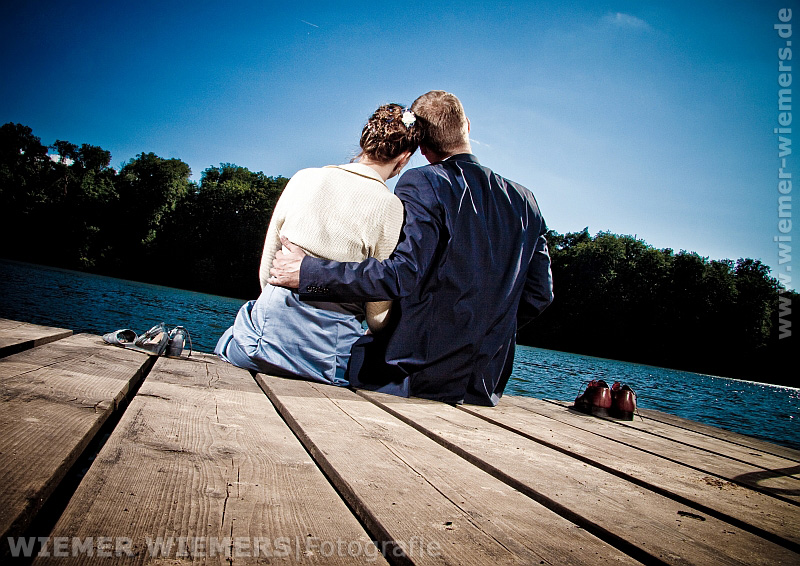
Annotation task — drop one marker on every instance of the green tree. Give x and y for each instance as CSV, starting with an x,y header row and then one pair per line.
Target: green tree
x,y
66,153
756,301
618,297
24,167
91,202
226,219
149,189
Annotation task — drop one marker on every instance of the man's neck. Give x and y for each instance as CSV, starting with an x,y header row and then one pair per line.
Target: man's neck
x,y
460,152
435,158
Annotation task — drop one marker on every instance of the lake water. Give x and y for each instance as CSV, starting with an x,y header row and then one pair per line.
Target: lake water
x,y
96,304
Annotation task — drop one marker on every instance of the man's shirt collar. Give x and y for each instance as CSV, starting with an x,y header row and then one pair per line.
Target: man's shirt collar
x,y
462,157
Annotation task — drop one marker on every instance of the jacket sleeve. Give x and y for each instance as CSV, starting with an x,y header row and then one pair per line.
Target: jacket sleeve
x,y
538,291
388,234
396,277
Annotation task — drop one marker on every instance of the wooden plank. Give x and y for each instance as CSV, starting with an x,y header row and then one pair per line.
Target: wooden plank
x,y
754,511
664,529
18,336
407,488
54,399
765,472
201,460
692,437
722,434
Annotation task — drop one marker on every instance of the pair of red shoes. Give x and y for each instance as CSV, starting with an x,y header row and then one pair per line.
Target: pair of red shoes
x,y
618,402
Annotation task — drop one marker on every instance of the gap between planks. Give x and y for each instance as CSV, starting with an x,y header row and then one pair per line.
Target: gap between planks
x,y
763,471
536,471
18,336
56,397
201,455
406,487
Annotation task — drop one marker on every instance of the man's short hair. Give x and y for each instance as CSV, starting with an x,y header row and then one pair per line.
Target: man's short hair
x,y
444,121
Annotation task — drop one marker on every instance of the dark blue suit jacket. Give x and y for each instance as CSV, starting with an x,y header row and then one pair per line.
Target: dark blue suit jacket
x,y
471,264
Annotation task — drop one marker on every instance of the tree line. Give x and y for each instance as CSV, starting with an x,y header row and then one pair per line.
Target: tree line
x,y
148,221
616,296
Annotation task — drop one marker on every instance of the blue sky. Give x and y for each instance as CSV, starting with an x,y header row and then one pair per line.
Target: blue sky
x,y
653,119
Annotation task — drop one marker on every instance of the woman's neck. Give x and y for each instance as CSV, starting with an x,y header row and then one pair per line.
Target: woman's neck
x,y
385,170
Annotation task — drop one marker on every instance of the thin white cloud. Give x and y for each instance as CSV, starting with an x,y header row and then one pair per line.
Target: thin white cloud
x,y
625,21
476,142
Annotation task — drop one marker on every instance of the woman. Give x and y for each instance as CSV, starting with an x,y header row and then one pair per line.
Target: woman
x,y
344,213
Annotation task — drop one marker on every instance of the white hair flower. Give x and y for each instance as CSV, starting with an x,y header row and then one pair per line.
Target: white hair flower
x,y
408,118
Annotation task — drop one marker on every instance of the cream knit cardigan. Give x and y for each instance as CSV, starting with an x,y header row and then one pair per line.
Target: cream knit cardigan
x,y
343,213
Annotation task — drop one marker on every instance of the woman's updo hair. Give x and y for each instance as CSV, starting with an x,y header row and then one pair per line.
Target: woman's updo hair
x,y
385,136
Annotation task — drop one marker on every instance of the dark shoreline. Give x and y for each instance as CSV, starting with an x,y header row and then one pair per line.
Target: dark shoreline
x,y
742,370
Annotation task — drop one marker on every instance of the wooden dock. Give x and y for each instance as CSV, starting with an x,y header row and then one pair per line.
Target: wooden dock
x,y
111,456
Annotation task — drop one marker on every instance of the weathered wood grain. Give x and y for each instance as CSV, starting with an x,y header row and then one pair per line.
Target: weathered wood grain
x,y
408,488
751,510
756,451
201,458
53,401
18,336
722,434
664,529
753,468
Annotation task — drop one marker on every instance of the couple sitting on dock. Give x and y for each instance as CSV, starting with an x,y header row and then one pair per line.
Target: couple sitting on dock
x,y
450,265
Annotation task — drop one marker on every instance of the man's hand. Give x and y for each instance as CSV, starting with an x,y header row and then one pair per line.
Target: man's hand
x,y
285,270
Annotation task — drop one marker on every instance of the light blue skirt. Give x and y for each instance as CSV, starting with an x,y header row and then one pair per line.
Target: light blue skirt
x,y
279,334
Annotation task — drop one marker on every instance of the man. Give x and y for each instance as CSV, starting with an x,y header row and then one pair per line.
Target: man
x,y
471,264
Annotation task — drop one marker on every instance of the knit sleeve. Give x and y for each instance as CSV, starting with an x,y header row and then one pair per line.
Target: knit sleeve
x,y
389,227
272,243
